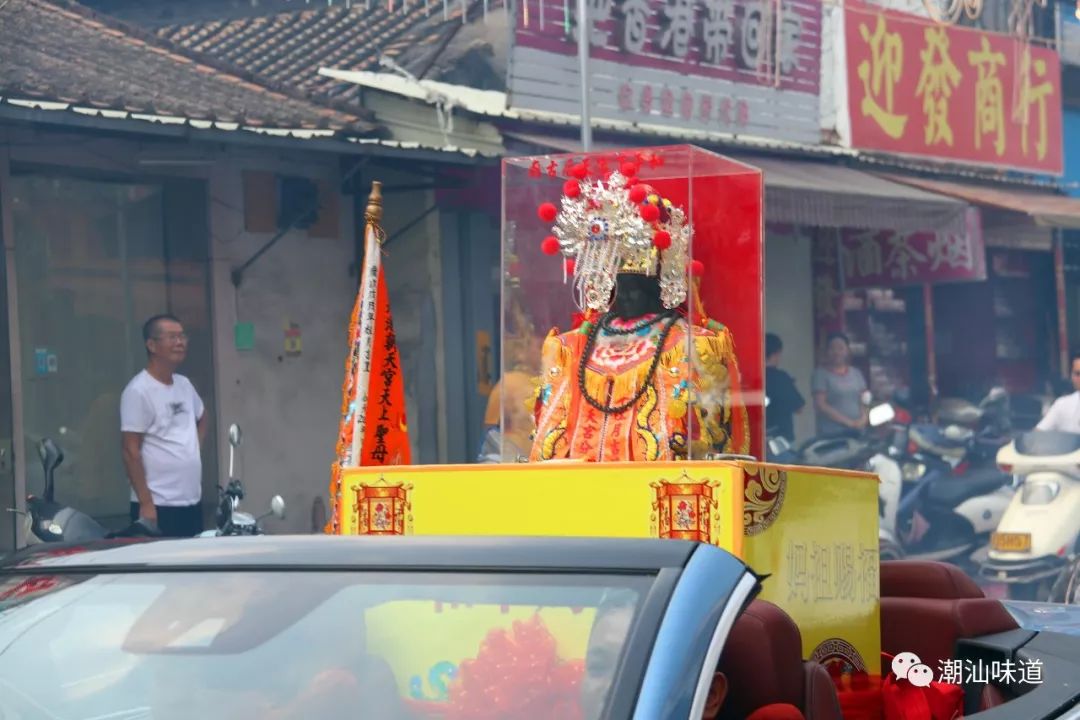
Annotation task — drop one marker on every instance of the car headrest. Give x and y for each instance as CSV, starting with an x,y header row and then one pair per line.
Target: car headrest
x,y
762,660
926,579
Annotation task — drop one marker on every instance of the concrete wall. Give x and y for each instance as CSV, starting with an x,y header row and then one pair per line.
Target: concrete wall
x,y
789,314
289,406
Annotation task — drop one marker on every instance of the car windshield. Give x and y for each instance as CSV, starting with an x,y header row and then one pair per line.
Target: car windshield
x,y
309,644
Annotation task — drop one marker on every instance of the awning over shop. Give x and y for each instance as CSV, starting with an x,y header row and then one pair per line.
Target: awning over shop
x,y
1028,215
827,195
1045,208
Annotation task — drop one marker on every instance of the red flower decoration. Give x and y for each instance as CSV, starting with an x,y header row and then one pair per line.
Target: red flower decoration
x,y
682,505
550,246
517,674
638,193
379,507
571,189
662,239
628,169
547,212
580,171
534,169
650,213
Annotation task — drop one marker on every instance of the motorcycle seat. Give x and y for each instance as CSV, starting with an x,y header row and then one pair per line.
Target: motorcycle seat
x,y
933,439
951,490
959,412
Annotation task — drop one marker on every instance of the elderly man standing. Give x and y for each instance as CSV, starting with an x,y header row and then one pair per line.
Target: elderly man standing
x,y
162,425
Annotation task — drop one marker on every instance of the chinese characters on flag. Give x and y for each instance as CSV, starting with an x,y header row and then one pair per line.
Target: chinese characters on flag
x,y
919,88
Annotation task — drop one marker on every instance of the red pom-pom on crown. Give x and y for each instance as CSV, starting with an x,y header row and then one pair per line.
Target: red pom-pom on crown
x,y
662,239
547,212
550,245
571,189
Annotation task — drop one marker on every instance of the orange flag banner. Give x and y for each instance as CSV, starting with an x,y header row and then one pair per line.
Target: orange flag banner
x,y
373,428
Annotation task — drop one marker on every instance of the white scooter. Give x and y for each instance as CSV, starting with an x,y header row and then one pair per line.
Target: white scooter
x,y
1038,535
933,514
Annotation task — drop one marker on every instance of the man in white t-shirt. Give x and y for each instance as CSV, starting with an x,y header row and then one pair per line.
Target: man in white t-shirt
x,y
1064,414
163,423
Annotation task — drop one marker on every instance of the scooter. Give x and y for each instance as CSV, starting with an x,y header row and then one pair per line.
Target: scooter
x,y
928,512
45,520
844,452
968,434
1037,537
230,519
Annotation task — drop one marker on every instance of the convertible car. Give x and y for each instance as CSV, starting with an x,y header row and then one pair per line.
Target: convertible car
x,y
530,628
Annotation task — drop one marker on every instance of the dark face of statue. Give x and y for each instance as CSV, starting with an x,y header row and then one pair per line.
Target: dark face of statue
x,y
636,295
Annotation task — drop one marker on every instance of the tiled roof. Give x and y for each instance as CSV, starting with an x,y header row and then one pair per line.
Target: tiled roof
x,y
60,51
290,47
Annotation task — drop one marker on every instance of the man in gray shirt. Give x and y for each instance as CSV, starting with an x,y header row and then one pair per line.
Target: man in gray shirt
x,y
838,389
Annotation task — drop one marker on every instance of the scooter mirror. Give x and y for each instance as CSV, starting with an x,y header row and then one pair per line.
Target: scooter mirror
x,y
51,457
881,415
235,436
277,507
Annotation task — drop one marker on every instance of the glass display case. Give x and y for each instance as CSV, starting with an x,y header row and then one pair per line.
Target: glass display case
x,y
631,307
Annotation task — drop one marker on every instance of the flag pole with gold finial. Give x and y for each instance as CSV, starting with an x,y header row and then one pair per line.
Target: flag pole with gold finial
x,y
373,429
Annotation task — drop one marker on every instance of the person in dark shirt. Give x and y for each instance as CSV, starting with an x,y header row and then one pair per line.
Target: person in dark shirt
x,y
784,398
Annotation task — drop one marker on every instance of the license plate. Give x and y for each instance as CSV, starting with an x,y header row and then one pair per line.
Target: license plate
x,y
1011,542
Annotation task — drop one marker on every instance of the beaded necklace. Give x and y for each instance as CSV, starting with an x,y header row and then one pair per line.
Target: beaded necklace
x,y
590,345
605,324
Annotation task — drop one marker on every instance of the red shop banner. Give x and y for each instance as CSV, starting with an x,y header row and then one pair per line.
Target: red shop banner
x,y
919,88
884,258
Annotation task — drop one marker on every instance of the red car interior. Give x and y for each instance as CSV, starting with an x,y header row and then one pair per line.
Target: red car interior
x,y
764,666
926,607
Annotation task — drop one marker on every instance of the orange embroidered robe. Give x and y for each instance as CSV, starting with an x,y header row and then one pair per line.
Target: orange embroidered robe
x,y
691,404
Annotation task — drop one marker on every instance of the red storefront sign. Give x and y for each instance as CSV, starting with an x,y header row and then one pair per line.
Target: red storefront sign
x,y
883,258
918,88
828,295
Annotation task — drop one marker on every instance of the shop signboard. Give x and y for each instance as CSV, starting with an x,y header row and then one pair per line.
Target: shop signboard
x,y
884,258
828,294
951,93
701,65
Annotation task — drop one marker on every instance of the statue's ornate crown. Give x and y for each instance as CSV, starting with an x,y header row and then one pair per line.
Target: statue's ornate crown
x,y
613,226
